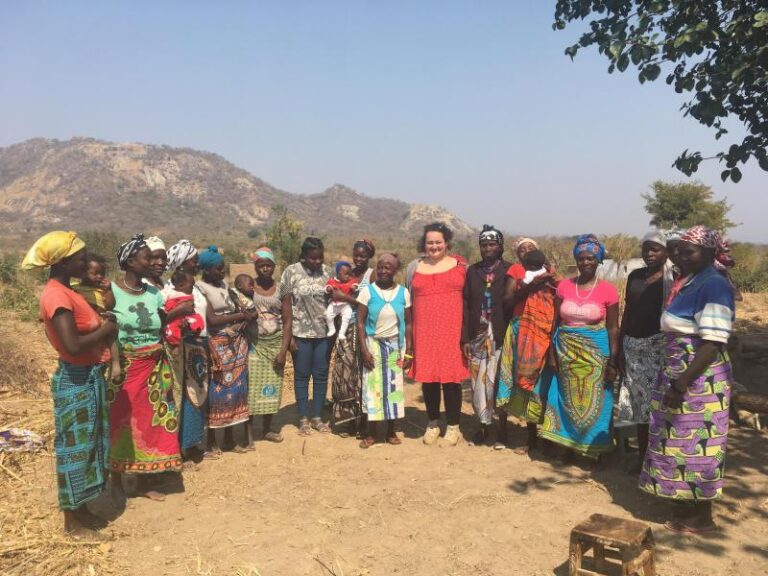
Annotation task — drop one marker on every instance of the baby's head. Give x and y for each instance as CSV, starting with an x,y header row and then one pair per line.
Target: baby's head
x,y
534,260
343,270
183,281
95,270
244,284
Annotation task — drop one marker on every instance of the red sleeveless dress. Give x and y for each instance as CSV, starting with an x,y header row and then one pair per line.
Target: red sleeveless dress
x,y
437,312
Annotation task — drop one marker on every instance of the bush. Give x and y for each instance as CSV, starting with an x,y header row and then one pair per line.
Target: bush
x,y
18,289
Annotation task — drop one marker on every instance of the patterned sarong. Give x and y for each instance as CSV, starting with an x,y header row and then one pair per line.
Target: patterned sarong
x,y
191,359
642,360
228,389
686,446
265,384
143,414
82,433
482,372
383,395
580,403
346,380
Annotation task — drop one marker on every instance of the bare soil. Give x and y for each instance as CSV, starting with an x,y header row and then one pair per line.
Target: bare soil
x,y
322,506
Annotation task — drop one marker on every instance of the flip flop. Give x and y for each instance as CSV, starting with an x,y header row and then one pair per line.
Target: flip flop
x,y
499,446
394,440
680,528
212,455
367,442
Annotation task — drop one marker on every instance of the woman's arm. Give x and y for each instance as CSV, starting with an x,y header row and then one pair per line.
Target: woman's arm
x,y
287,344
340,296
365,354
508,300
465,335
612,325
408,358
63,323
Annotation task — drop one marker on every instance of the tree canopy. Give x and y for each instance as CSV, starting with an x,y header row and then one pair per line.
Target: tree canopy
x,y
715,49
685,204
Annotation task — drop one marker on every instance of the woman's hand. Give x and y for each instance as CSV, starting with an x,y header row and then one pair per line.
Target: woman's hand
x,y
367,359
611,373
466,349
293,347
279,362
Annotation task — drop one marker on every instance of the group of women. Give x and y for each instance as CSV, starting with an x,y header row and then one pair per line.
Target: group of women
x,y
544,349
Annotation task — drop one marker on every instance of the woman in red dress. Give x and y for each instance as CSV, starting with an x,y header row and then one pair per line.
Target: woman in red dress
x,y
436,282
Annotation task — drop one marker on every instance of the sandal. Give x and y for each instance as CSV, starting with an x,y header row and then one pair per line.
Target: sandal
x,y
681,528
394,440
319,425
304,428
243,449
273,437
367,442
212,454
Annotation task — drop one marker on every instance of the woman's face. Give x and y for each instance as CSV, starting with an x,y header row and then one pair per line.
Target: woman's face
x,y
654,254
586,262
523,249
693,258
435,245
215,273
673,247
386,268
264,268
360,257
76,264
490,250
192,265
157,261
139,262
313,259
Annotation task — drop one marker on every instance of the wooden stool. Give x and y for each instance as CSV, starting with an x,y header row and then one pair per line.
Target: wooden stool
x,y
629,541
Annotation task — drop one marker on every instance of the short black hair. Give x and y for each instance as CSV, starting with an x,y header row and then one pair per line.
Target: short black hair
x,y
240,277
98,258
435,227
534,258
311,243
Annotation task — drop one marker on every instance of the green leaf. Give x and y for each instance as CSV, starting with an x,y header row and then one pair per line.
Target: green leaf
x,y
763,162
735,175
623,62
652,71
615,50
724,175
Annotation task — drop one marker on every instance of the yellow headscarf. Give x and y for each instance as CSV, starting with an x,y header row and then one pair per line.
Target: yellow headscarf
x,y
51,249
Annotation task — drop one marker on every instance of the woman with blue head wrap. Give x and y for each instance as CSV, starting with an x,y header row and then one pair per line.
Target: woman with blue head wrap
x,y
590,244
210,258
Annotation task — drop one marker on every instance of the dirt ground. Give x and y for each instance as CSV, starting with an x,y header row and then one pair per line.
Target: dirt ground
x,y
322,506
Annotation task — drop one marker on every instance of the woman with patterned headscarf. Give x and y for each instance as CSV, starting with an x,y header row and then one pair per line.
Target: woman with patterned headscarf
x,y
143,410
346,379
79,336
484,324
580,402
689,404
228,347
640,336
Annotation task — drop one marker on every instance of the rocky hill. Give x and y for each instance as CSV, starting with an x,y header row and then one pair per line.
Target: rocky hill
x,y
87,184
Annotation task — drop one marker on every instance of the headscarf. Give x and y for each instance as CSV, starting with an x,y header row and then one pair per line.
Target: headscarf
x,y
589,243
130,249
673,234
723,258
702,236
367,244
391,256
341,263
491,234
210,258
525,240
52,249
154,243
180,253
655,236
263,253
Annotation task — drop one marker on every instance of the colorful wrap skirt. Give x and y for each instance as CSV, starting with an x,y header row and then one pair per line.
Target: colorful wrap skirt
x,y
265,384
143,414
686,446
482,373
579,409
383,394
82,433
642,361
346,380
228,389
191,367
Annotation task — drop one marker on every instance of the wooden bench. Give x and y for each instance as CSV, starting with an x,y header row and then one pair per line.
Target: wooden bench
x,y
627,541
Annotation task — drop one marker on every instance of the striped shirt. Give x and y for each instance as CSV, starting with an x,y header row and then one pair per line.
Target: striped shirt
x,y
703,307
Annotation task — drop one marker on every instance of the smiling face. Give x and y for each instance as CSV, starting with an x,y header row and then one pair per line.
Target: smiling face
x,y
523,249
157,261
264,268
361,257
192,265
313,259
586,262
386,268
694,258
435,245
654,254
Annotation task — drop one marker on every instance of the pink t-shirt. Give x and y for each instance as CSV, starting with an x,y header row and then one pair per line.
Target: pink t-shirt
x,y
587,306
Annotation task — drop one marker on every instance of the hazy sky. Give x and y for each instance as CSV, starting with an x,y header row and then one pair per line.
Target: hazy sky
x,y
471,105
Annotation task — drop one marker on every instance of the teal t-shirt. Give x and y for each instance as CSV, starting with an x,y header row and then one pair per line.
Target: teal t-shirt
x,y
138,319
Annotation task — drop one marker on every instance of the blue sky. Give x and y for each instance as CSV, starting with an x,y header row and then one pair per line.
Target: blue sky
x,y
471,105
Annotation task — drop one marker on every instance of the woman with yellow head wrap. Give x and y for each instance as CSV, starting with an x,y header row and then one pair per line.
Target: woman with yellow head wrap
x,y
79,392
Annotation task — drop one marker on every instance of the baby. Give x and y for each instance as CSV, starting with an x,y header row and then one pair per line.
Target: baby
x,y
534,263
242,294
97,291
344,282
183,283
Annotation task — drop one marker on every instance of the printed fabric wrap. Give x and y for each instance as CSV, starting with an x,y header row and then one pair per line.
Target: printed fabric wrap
x,y
228,388
265,383
383,394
